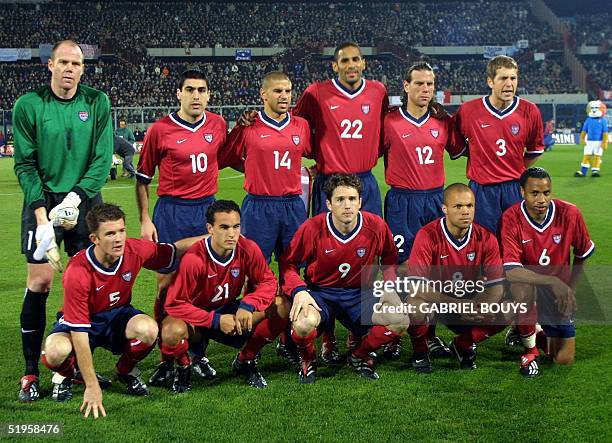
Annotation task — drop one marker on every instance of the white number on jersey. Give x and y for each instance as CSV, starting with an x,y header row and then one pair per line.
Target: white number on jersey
x,y
347,125
282,161
199,163
222,292
399,241
344,269
425,154
113,297
544,259
501,145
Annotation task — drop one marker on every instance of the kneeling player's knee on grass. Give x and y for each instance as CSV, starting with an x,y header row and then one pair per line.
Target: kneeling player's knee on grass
x,y
57,349
173,331
565,357
523,293
142,327
398,328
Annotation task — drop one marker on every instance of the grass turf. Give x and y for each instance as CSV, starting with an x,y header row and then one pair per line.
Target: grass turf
x,y
491,403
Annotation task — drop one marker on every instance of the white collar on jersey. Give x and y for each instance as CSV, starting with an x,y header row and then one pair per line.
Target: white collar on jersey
x,y
418,122
540,227
186,125
223,261
457,244
348,92
269,121
338,235
496,112
98,266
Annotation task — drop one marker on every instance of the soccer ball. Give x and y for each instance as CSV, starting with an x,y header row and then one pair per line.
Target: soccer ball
x,y
596,109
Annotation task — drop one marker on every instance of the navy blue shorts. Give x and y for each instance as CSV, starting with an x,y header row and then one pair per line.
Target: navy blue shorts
x,y
549,317
493,200
350,306
235,341
178,218
370,195
408,211
271,222
107,328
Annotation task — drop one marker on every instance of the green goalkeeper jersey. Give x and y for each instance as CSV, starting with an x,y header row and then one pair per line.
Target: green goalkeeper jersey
x,y
62,145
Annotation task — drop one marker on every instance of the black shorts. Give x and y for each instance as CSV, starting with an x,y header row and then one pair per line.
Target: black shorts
x,y
74,239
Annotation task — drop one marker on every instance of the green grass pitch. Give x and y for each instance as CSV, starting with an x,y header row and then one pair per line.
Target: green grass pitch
x,y
492,403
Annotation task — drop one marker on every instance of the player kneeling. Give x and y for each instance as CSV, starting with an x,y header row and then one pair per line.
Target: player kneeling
x,y
97,311
337,248
201,302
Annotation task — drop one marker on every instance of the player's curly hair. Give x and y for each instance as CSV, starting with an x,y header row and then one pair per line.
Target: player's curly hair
x,y
104,212
533,172
221,206
336,180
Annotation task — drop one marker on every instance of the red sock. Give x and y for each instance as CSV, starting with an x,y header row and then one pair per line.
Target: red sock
x,y
464,340
526,324
265,332
377,337
178,352
542,342
285,336
66,368
418,337
305,345
329,334
481,333
133,351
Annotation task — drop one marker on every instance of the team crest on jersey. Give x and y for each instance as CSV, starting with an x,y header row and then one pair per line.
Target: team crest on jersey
x,y
83,116
471,256
557,238
515,129
127,276
235,272
208,137
361,252
365,109
434,133
296,140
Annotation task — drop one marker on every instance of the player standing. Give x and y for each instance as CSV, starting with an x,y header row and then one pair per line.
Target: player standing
x,y
537,235
347,239
594,137
202,301
504,135
62,124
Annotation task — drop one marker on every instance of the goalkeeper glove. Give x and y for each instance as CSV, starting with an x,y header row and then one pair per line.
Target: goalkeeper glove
x,y
46,247
66,213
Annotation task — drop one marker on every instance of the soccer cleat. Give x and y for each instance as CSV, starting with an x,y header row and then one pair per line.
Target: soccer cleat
x,y
465,357
133,383
162,374
529,365
29,388
595,174
393,350
365,368
62,388
249,369
182,380
421,363
289,352
104,382
437,348
578,174
203,369
307,374
513,337
329,354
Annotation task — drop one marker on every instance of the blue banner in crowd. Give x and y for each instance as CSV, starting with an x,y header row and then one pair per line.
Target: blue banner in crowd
x,y
8,54
243,54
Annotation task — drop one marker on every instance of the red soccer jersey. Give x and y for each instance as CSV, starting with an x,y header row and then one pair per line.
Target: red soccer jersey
x,y
185,154
336,260
414,150
272,153
346,125
438,255
499,141
206,281
545,247
89,288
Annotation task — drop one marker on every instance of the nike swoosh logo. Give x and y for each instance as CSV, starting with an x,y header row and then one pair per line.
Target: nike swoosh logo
x,y
443,256
419,361
212,275
327,251
181,141
26,331
484,126
526,241
334,107
97,289
406,135
265,135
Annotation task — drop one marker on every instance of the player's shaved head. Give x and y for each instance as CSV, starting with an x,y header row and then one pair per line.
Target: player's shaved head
x,y
57,45
454,189
535,173
221,206
337,180
343,46
501,61
272,77
102,213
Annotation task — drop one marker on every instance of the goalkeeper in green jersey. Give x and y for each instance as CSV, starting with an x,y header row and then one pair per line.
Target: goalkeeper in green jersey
x,y
63,152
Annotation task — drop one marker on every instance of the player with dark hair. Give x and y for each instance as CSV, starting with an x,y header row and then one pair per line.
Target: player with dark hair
x,y
185,146
504,135
537,235
97,309
56,126
454,248
202,301
348,244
